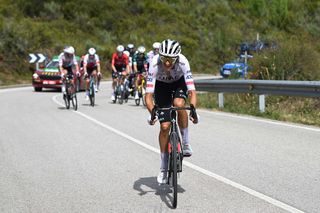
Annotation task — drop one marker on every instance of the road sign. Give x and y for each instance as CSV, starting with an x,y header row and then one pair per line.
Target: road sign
x,y
36,58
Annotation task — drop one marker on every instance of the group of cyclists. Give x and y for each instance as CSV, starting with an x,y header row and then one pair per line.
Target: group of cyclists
x,y
169,82
133,64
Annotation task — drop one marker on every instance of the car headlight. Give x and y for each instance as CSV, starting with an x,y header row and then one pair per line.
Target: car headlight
x,y
35,75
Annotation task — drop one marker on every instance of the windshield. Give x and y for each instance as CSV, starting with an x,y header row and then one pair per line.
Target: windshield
x,y
53,64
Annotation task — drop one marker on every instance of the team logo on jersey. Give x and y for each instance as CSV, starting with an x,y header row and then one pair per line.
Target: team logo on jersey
x,y
189,77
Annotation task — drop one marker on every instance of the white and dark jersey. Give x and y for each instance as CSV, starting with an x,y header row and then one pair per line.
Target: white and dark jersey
x,y
91,60
157,73
67,62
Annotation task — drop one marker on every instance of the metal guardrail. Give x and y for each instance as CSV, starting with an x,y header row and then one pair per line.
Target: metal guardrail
x,y
260,87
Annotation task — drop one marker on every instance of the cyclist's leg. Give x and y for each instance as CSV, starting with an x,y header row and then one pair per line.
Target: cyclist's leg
x,y
180,97
94,74
163,98
63,85
114,83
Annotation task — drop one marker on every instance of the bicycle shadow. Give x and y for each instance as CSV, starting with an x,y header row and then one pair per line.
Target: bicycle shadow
x,y
89,105
164,190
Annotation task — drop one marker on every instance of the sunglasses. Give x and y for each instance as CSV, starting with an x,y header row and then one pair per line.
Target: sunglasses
x,y
171,60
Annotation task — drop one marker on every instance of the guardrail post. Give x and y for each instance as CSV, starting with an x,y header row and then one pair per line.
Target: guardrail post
x,y
262,103
220,99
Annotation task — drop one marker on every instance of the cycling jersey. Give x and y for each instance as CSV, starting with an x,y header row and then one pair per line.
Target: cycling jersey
x,y
150,56
120,62
157,73
141,62
91,61
67,62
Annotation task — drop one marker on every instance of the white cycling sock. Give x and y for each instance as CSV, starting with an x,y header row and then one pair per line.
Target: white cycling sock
x,y
185,135
164,161
63,88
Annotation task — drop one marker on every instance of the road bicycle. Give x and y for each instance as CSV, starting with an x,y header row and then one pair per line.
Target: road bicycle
x,y
175,151
119,90
92,91
141,90
71,95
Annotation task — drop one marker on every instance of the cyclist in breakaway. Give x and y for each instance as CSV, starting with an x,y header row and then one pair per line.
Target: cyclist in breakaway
x,y
152,53
119,63
140,65
91,65
67,60
169,80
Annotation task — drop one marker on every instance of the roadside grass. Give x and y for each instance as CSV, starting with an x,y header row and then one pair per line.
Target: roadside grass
x,y
292,109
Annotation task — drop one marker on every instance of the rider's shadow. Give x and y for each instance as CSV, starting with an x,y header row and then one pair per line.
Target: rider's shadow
x,y
150,185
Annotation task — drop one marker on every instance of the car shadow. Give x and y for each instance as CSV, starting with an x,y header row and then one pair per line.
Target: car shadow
x,y
48,90
150,185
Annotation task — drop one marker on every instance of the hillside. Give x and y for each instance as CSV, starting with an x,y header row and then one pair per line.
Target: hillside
x,y
209,32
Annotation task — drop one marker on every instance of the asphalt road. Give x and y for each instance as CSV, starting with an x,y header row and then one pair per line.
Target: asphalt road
x,y
105,159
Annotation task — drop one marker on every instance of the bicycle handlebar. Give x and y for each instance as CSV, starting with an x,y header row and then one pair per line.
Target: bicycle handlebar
x,y
174,108
192,109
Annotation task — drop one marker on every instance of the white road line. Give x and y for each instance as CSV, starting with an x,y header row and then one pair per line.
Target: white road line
x,y
193,166
262,120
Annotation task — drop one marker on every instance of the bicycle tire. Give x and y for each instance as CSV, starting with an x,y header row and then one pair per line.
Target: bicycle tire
x,y
137,101
66,101
121,96
92,93
74,102
92,99
174,169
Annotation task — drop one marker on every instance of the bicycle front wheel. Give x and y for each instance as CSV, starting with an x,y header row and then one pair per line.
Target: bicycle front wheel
x,y
174,169
92,99
66,100
74,102
121,96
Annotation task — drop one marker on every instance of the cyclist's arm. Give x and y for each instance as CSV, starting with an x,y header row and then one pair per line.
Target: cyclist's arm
x,y
149,101
189,82
193,97
127,64
75,62
150,84
98,63
113,62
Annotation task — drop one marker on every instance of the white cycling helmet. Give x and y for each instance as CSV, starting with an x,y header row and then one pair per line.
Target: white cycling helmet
x,y
92,51
130,46
156,45
126,52
69,50
170,48
120,48
141,49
